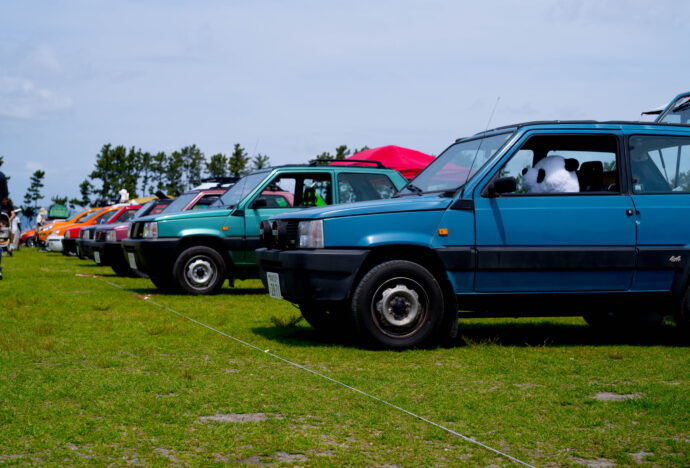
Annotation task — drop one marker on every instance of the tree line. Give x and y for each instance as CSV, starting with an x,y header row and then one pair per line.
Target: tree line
x,y
142,173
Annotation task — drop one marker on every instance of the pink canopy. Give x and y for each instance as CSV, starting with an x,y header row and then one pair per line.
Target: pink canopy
x,y
406,161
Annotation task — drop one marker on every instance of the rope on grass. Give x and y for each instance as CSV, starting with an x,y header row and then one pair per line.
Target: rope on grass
x,y
147,298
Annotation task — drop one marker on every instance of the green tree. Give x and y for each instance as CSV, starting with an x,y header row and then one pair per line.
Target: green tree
x,y
145,172
260,161
363,148
341,152
218,165
173,171
85,189
192,164
59,200
238,161
117,169
33,194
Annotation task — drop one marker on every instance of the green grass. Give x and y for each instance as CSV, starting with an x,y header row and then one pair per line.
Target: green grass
x,y
92,374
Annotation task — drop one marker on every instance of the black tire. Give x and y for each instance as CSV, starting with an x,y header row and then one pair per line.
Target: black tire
x,y
333,320
121,269
30,242
399,304
199,270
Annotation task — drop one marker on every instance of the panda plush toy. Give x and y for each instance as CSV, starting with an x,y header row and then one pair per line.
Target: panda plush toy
x,y
553,174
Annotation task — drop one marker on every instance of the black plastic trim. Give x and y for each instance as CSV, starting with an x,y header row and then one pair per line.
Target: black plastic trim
x,y
463,204
458,258
556,258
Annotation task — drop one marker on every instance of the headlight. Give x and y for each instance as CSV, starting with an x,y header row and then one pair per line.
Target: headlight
x,y
310,234
85,235
67,236
150,230
111,236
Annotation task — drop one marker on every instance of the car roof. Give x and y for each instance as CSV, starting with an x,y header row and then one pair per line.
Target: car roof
x,y
591,124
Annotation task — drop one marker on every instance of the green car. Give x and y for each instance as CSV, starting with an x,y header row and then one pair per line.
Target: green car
x,y
195,251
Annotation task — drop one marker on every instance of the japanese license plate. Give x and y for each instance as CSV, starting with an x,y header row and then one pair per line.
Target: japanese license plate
x,y
97,256
132,261
273,280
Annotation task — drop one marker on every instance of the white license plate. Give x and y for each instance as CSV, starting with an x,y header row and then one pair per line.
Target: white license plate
x,y
97,256
273,280
132,261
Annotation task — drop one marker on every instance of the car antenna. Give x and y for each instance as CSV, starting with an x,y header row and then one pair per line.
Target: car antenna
x,y
469,171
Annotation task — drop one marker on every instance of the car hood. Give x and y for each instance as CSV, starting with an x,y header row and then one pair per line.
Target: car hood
x,y
192,214
411,203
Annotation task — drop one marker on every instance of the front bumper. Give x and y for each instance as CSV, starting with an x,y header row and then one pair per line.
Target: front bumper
x,y
69,246
54,243
318,275
154,257
109,253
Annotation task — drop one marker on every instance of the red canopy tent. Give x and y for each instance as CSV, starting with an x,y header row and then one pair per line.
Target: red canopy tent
x,y
406,161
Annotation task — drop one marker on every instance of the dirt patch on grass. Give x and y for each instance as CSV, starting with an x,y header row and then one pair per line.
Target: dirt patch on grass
x,y
640,456
594,463
609,396
239,418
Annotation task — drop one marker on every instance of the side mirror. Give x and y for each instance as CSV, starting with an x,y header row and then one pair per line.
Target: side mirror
x,y
502,185
259,203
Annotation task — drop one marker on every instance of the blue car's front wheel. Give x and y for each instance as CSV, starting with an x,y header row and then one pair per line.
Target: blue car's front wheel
x,y
399,304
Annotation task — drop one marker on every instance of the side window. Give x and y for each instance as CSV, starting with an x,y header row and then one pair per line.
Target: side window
x,y
362,187
204,202
660,164
106,217
298,191
547,164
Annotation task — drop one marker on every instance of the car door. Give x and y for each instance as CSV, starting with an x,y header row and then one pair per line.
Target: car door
x,y
660,176
576,241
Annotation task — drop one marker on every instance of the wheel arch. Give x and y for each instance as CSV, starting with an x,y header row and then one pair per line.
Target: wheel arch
x,y
424,256
212,242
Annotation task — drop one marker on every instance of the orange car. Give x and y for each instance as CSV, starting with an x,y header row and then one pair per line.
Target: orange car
x,y
48,228
57,232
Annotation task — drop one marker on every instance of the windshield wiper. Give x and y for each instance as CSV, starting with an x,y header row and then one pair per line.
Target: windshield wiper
x,y
450,193
414,189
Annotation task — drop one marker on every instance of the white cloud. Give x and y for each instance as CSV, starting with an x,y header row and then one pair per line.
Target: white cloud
x,y
34,166
21,99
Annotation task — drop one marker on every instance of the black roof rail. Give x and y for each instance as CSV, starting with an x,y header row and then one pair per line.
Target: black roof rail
x,y
315,162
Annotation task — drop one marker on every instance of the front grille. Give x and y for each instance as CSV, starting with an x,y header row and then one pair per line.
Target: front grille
x,y
99,236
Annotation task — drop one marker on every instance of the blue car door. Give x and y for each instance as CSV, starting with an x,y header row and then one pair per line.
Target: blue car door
x,y
580,240
660,175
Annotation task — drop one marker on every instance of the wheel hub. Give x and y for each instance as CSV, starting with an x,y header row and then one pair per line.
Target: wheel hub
x,y
199,272
399,306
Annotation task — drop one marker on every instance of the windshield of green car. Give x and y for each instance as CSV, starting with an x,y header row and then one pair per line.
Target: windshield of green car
x,y
679,112
241,189
456,165
180,202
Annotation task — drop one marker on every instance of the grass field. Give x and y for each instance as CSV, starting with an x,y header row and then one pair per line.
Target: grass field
x,y
94,374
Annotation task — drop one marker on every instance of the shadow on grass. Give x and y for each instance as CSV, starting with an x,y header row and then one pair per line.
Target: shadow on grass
x,y
544,334
223,292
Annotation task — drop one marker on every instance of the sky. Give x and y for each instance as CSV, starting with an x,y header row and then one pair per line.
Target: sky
x,y
291,79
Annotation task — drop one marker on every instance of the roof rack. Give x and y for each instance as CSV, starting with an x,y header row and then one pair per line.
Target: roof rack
x,y
365,161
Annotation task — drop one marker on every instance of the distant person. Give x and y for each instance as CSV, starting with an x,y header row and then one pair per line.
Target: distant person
x,y
124,196
40,221
5,206
16,229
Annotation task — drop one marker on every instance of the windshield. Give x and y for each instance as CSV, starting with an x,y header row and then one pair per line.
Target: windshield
x,y
180,202
237,192
93,215
679,112
455,166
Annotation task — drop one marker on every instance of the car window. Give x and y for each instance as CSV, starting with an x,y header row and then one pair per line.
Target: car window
x,y
205,201
547,164
362,187
126,216
297,191
660,164
106,217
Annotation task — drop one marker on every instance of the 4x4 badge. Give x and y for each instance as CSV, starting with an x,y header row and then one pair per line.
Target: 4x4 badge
x,y
675,259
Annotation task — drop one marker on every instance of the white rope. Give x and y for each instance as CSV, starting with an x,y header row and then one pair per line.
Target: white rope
x,y
299,366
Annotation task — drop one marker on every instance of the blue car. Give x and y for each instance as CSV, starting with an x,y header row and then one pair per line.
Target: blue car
x,y
537,219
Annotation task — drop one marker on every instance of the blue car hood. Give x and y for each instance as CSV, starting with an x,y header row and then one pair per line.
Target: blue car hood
x,y
392,205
